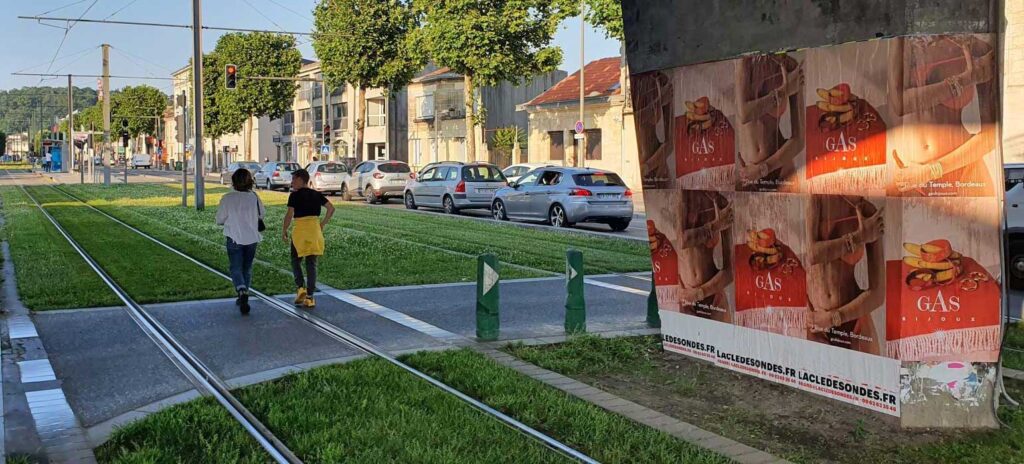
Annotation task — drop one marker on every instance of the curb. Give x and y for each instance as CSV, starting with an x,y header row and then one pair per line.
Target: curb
x,y
689,433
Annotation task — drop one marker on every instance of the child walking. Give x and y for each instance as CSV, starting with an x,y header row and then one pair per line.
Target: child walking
x,y
307,240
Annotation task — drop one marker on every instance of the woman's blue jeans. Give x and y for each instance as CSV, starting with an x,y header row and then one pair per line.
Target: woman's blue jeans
x,y
241,258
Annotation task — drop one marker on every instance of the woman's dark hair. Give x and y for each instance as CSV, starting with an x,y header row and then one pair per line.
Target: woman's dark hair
x,y
242,180
301,174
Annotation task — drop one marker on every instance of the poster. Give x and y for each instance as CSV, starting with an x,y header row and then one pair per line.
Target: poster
x,y
827,213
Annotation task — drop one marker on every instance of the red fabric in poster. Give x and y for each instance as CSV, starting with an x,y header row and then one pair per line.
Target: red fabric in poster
x,y
964,316
856,144
699,148
666,264
757,288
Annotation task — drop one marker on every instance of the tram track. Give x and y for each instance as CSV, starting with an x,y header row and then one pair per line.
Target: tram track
x,y
191,366
332,331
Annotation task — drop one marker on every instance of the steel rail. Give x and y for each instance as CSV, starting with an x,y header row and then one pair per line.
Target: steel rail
x,y
197,372
350,339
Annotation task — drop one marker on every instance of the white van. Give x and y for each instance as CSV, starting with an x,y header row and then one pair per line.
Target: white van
x,y
142,161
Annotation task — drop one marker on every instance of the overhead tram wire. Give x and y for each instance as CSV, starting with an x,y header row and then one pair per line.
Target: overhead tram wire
x,y
296,13
132,2
85,50
170,25
67,31
257,10
350,339
62,7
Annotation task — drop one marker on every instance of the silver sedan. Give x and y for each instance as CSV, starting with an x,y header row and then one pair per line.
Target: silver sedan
x,y
565,196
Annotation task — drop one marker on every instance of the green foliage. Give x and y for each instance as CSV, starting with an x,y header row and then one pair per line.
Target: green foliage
x,y
505,138
3,142
23,109
606,14
366,42
255,54
136,106
492,41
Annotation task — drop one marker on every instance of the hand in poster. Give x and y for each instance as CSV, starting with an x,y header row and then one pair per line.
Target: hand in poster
x,y
820,321
751,172
872,228
912,176
723,218
792,81
689,296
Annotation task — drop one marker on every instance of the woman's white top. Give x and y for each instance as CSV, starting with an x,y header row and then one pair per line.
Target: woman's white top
x,y
239,213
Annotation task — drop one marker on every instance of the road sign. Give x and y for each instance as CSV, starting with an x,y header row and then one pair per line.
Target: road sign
x,y
579,127
578,136
325,149
487,297
277,139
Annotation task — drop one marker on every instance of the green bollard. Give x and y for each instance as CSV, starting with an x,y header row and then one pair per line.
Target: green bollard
x,y
653,317
575,305
487,301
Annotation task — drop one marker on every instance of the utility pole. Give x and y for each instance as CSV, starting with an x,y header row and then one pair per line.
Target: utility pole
x,y
197,86
324,102
70,159
583,141
106,114
184,145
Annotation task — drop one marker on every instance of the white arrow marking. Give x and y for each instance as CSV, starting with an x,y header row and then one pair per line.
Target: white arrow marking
x,y
490,278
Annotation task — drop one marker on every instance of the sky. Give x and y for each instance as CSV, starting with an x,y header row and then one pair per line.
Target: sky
x,y
150,51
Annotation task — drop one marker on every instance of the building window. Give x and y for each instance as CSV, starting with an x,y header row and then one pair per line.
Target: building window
x,y
556,151
375,112
593,144
425,106
417,153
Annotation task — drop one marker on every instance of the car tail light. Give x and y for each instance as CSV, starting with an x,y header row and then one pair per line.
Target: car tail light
x,y
378,175
317,175
412,175
629,193
276,174
578,192
460,187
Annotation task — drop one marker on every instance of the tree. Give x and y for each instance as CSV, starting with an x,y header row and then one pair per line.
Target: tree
x,y
506,140
256,54
365,43
489,42
138,107
3,143
606,14
24,109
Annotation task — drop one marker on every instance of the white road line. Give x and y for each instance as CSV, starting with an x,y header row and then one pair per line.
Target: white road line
x,y
396,316
37,370
21,326
598,283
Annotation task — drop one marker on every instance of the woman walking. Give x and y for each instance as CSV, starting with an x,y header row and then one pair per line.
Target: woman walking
x,y
307,241
241,214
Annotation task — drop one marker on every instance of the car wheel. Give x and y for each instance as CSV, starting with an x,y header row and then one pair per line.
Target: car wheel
x,y
498,211
449,205
344,193
619,225
1016,263
410,202
557,217
368,194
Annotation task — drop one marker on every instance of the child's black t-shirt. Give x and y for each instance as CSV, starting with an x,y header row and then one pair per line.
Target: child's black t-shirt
x,y
306,201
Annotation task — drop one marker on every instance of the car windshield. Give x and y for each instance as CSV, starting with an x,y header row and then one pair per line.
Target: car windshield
x,y
249,166
332,168
393,168
599,179
288,167
482,174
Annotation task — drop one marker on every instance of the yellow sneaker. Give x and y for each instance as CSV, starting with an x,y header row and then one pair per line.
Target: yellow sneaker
x,y
309,303
300,296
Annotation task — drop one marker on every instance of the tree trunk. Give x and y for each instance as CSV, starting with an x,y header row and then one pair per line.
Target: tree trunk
x,y
470,142
360,113
248,138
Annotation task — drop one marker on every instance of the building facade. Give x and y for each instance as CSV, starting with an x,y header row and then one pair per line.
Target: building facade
x,y
607,120
437,115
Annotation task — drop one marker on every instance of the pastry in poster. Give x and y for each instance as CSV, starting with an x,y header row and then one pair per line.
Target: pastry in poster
x,y
652,105
771,283
706,227
769,96
943,292
845,232
665,263
705,147
846,137
941,148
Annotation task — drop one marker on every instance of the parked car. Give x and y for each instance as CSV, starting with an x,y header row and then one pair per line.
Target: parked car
x,y
225,175
142,160
377,180
422,170
515,171
455,186
565,196
1014,204
276,175
327,176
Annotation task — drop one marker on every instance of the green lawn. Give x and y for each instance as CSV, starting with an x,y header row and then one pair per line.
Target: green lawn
x,y
148,272
373,247
634,361
50,274
1013,352
370,411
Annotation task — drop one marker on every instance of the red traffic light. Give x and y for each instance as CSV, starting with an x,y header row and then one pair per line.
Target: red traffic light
x,y
231,69
231,76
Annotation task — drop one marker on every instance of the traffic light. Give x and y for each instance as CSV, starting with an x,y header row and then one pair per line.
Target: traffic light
x,y
124,138
231,76
327,134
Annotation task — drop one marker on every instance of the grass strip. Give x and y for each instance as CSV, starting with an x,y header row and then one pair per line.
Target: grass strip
x,y
1013,352
633,361
370,411
49,272
148,272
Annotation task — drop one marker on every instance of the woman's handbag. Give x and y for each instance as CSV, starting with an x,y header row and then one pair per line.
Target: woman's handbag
x,y
260,226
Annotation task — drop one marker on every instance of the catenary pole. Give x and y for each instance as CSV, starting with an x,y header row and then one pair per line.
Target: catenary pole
x,y
106,114
197,103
